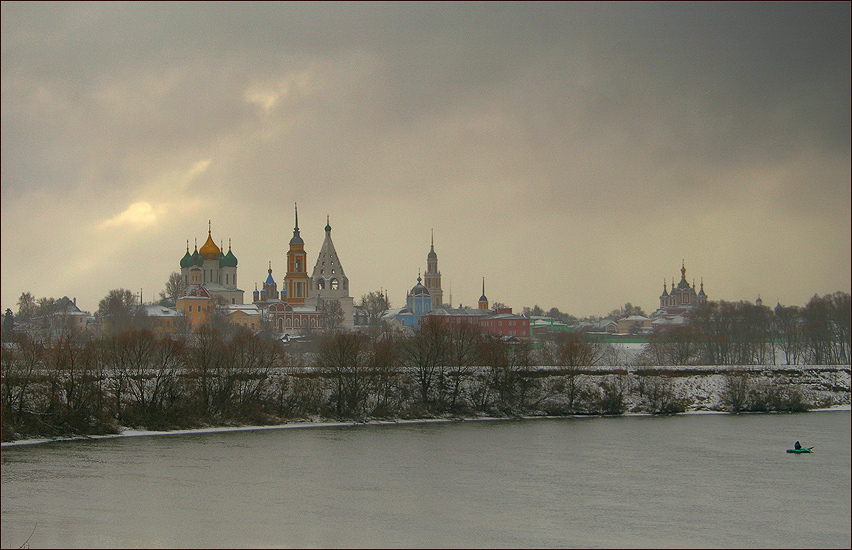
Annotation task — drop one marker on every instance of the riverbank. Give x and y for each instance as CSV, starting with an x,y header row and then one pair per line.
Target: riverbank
x,y
320,423
598,392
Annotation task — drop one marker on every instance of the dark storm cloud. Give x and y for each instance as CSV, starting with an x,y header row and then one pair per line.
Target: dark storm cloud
x,y
577,114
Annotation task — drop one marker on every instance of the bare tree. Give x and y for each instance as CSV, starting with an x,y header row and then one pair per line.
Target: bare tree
x,y
175,286
374,303
463,345
116,310
252,358
787,329
826,328
384,373
626,310
19,365
574,354
27,305
423,353
340,354
333,313
535,311
140,347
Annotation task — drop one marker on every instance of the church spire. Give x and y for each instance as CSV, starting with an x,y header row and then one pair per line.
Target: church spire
x,y
483,301
297,238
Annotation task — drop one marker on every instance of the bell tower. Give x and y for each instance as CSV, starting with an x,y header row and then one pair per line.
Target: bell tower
x,y
432,277
296,281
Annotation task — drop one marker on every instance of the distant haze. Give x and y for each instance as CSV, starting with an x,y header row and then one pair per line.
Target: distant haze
x,y
571,154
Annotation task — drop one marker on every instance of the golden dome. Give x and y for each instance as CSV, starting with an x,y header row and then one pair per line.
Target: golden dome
x,y
209,250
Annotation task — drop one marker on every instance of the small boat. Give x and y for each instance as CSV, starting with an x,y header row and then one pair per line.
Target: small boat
x,y
800,451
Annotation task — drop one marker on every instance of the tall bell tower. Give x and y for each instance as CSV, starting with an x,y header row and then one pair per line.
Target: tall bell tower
x,y
432,277
296,281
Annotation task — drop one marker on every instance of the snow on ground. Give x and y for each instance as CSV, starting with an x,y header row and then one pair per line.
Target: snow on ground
x,y
828,384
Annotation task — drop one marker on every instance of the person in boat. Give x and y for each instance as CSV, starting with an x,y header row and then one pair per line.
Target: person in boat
x,y
797,446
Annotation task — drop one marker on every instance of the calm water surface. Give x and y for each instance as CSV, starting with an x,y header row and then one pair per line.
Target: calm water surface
x,y
684,481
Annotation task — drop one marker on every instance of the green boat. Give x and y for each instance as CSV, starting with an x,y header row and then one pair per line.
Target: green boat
x,y
800,451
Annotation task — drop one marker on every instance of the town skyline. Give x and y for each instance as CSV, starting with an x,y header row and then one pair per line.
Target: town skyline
x,y
668,285
573,155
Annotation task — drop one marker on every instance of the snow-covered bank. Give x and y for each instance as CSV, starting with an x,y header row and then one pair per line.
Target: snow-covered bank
x,y
699,390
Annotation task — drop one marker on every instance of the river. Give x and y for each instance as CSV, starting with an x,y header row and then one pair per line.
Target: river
x,y
700,480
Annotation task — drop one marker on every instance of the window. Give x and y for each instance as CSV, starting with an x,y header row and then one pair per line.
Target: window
x,y
320,283
334,282
190,309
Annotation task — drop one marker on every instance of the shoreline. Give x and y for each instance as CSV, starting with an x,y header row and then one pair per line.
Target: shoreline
x,y
131,432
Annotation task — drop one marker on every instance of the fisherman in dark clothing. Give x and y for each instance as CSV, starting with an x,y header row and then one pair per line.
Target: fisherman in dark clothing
x,y
797,446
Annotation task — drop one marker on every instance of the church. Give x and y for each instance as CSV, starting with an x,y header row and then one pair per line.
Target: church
x,y
217,271
303,302
306,302
682,298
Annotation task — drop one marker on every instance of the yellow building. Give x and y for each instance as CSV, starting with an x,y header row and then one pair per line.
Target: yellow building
x,y
195,302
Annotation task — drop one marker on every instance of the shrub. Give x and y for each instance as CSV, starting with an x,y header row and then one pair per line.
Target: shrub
x,y
662,396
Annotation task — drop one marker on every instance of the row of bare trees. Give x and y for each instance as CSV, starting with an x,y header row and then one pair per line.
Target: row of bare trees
x,y
79,384
87,385
742,333
134,378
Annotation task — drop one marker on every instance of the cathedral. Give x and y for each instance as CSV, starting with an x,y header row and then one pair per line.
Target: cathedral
x,y
682,297
216,271
304,299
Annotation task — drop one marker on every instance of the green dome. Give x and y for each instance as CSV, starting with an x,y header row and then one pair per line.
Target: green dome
x,y
186,261
228,260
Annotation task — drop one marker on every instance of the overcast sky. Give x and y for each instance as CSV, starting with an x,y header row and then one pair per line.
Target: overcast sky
x,y
571,154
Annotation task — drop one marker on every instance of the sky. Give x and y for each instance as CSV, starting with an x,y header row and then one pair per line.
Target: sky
x,y
574,155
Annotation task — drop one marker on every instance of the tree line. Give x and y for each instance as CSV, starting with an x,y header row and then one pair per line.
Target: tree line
x,y
743,333
80,384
